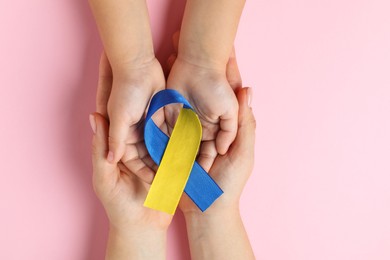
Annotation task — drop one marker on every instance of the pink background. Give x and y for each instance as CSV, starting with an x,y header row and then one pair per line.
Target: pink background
x,y
321,77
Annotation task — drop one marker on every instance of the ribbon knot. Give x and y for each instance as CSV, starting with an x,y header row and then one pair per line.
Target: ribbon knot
x,y
176,156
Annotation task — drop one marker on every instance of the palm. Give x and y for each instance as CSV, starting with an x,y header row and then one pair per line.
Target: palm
x,y
125,194
222,86
224,172
189,80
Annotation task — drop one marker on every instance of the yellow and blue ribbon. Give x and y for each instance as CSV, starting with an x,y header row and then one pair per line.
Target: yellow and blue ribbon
x,y
176,156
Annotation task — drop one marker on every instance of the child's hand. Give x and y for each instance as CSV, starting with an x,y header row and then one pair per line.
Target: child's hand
x,y
122,97
229,80
136,74
211,96
207,35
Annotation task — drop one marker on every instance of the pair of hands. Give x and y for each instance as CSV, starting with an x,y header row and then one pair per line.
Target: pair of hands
x,y
124,95
122,186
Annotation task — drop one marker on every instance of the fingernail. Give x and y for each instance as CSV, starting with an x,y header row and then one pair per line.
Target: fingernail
x,y
93,123
110,157
249,94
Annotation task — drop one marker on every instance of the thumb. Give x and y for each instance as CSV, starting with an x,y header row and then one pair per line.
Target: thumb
x,y
117,136
99,143
246,119
126,107
105,174
245,140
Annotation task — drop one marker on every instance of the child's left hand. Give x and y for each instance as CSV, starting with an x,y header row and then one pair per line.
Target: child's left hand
x,y
225,84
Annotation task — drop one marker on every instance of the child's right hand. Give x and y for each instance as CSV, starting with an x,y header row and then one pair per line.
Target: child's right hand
x,y
131,76
122,97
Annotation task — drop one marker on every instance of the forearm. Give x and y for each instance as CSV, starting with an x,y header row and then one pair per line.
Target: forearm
x,y
208,31
218,235
125,31
136,244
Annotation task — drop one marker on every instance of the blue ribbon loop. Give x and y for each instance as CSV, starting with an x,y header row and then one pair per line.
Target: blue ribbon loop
x,y
201,188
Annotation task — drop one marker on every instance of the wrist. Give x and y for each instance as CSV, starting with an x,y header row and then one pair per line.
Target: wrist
x,y
145,76
208,31
209,233
132,228
125,66
137,242
198,69
199,58
218,235
214,215
136,229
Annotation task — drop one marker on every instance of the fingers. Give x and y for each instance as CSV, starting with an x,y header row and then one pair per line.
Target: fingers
x,y
171,113
104,85
207,154
102,98
227,132
100,143
243,146
137,160
245,114
159,120
119,135
228,126
126,108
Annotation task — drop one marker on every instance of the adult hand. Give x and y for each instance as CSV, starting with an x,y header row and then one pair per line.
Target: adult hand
x,y
232,170
136,232
219,233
